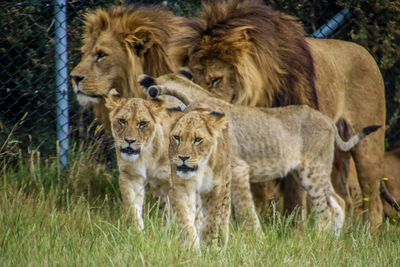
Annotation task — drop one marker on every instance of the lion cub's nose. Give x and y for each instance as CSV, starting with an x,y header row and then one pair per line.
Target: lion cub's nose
x,y
77,79
130,140
183,158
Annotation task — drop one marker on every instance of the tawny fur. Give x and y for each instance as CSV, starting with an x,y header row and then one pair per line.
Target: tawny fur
x,y
200,138
141,132
249,54
276,141
390,185
391,182
119,44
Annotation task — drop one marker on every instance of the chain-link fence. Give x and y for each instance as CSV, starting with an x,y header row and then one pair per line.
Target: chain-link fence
x,y
39,43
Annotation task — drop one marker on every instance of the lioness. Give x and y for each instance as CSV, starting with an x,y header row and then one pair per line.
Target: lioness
x,y
275,141
140,129
199,152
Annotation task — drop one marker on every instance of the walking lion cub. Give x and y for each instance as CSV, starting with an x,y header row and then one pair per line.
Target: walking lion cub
x,y
141,132
273,142
199,152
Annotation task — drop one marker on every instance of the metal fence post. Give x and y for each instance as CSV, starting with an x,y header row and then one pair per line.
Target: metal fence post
x,y
333,24
61,61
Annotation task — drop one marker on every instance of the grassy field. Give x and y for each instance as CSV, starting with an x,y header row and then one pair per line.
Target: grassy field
x,y
79,223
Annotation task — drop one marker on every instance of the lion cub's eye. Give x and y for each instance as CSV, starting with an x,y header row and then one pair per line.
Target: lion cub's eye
x,y
197,140
215,82
143,124
122,122
177,138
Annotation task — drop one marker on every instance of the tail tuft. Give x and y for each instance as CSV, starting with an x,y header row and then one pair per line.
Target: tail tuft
x,y
371,129
146,81
152,91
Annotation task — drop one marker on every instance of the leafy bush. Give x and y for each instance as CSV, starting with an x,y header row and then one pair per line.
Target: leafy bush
x,y
375,24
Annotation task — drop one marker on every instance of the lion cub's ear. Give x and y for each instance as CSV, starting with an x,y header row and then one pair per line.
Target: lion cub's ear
x,y
114,99
156,105
146,81
216,120
141,41
175,113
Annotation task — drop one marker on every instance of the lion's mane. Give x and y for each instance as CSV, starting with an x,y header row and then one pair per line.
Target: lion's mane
x,y
143,32
235,32
136,23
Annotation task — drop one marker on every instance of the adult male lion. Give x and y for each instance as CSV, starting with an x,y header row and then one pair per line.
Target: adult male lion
x,y
118,45
249,54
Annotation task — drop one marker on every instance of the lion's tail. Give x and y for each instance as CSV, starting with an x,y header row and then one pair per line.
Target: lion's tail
x,y
347,145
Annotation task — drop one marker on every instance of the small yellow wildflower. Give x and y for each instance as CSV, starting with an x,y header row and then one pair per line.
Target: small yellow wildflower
x,y
385,178
366,199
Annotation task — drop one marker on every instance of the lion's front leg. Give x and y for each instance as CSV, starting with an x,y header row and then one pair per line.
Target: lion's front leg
x,y
216,209
242,199
133,191
183,205
159,190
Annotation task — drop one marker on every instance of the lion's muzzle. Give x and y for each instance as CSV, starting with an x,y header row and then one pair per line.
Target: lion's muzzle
x,y
129,153
185,171
83,97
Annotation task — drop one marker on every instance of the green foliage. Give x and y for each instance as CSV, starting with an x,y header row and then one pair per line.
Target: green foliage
x,y
185,8
90,173
40,228
375,25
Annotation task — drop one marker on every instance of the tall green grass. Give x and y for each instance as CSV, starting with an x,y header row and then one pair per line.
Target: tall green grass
x,y
50,216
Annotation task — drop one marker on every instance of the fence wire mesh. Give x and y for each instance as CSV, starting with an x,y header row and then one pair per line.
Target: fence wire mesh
x,y
30,91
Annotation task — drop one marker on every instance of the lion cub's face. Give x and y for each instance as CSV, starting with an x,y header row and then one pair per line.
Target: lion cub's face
x,y
193,139
133,123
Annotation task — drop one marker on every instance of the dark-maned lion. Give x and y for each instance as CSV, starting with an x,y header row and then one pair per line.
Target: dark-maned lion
x,y
118,45
249,54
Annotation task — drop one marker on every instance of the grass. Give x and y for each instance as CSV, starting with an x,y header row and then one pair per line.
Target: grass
x,y
79,223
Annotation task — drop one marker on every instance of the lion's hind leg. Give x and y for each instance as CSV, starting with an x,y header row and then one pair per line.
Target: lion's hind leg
x,y
242,199
337,205
315,178
368,157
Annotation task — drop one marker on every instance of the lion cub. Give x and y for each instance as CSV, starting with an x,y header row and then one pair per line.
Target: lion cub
x,y
199,152
273,142
140,129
